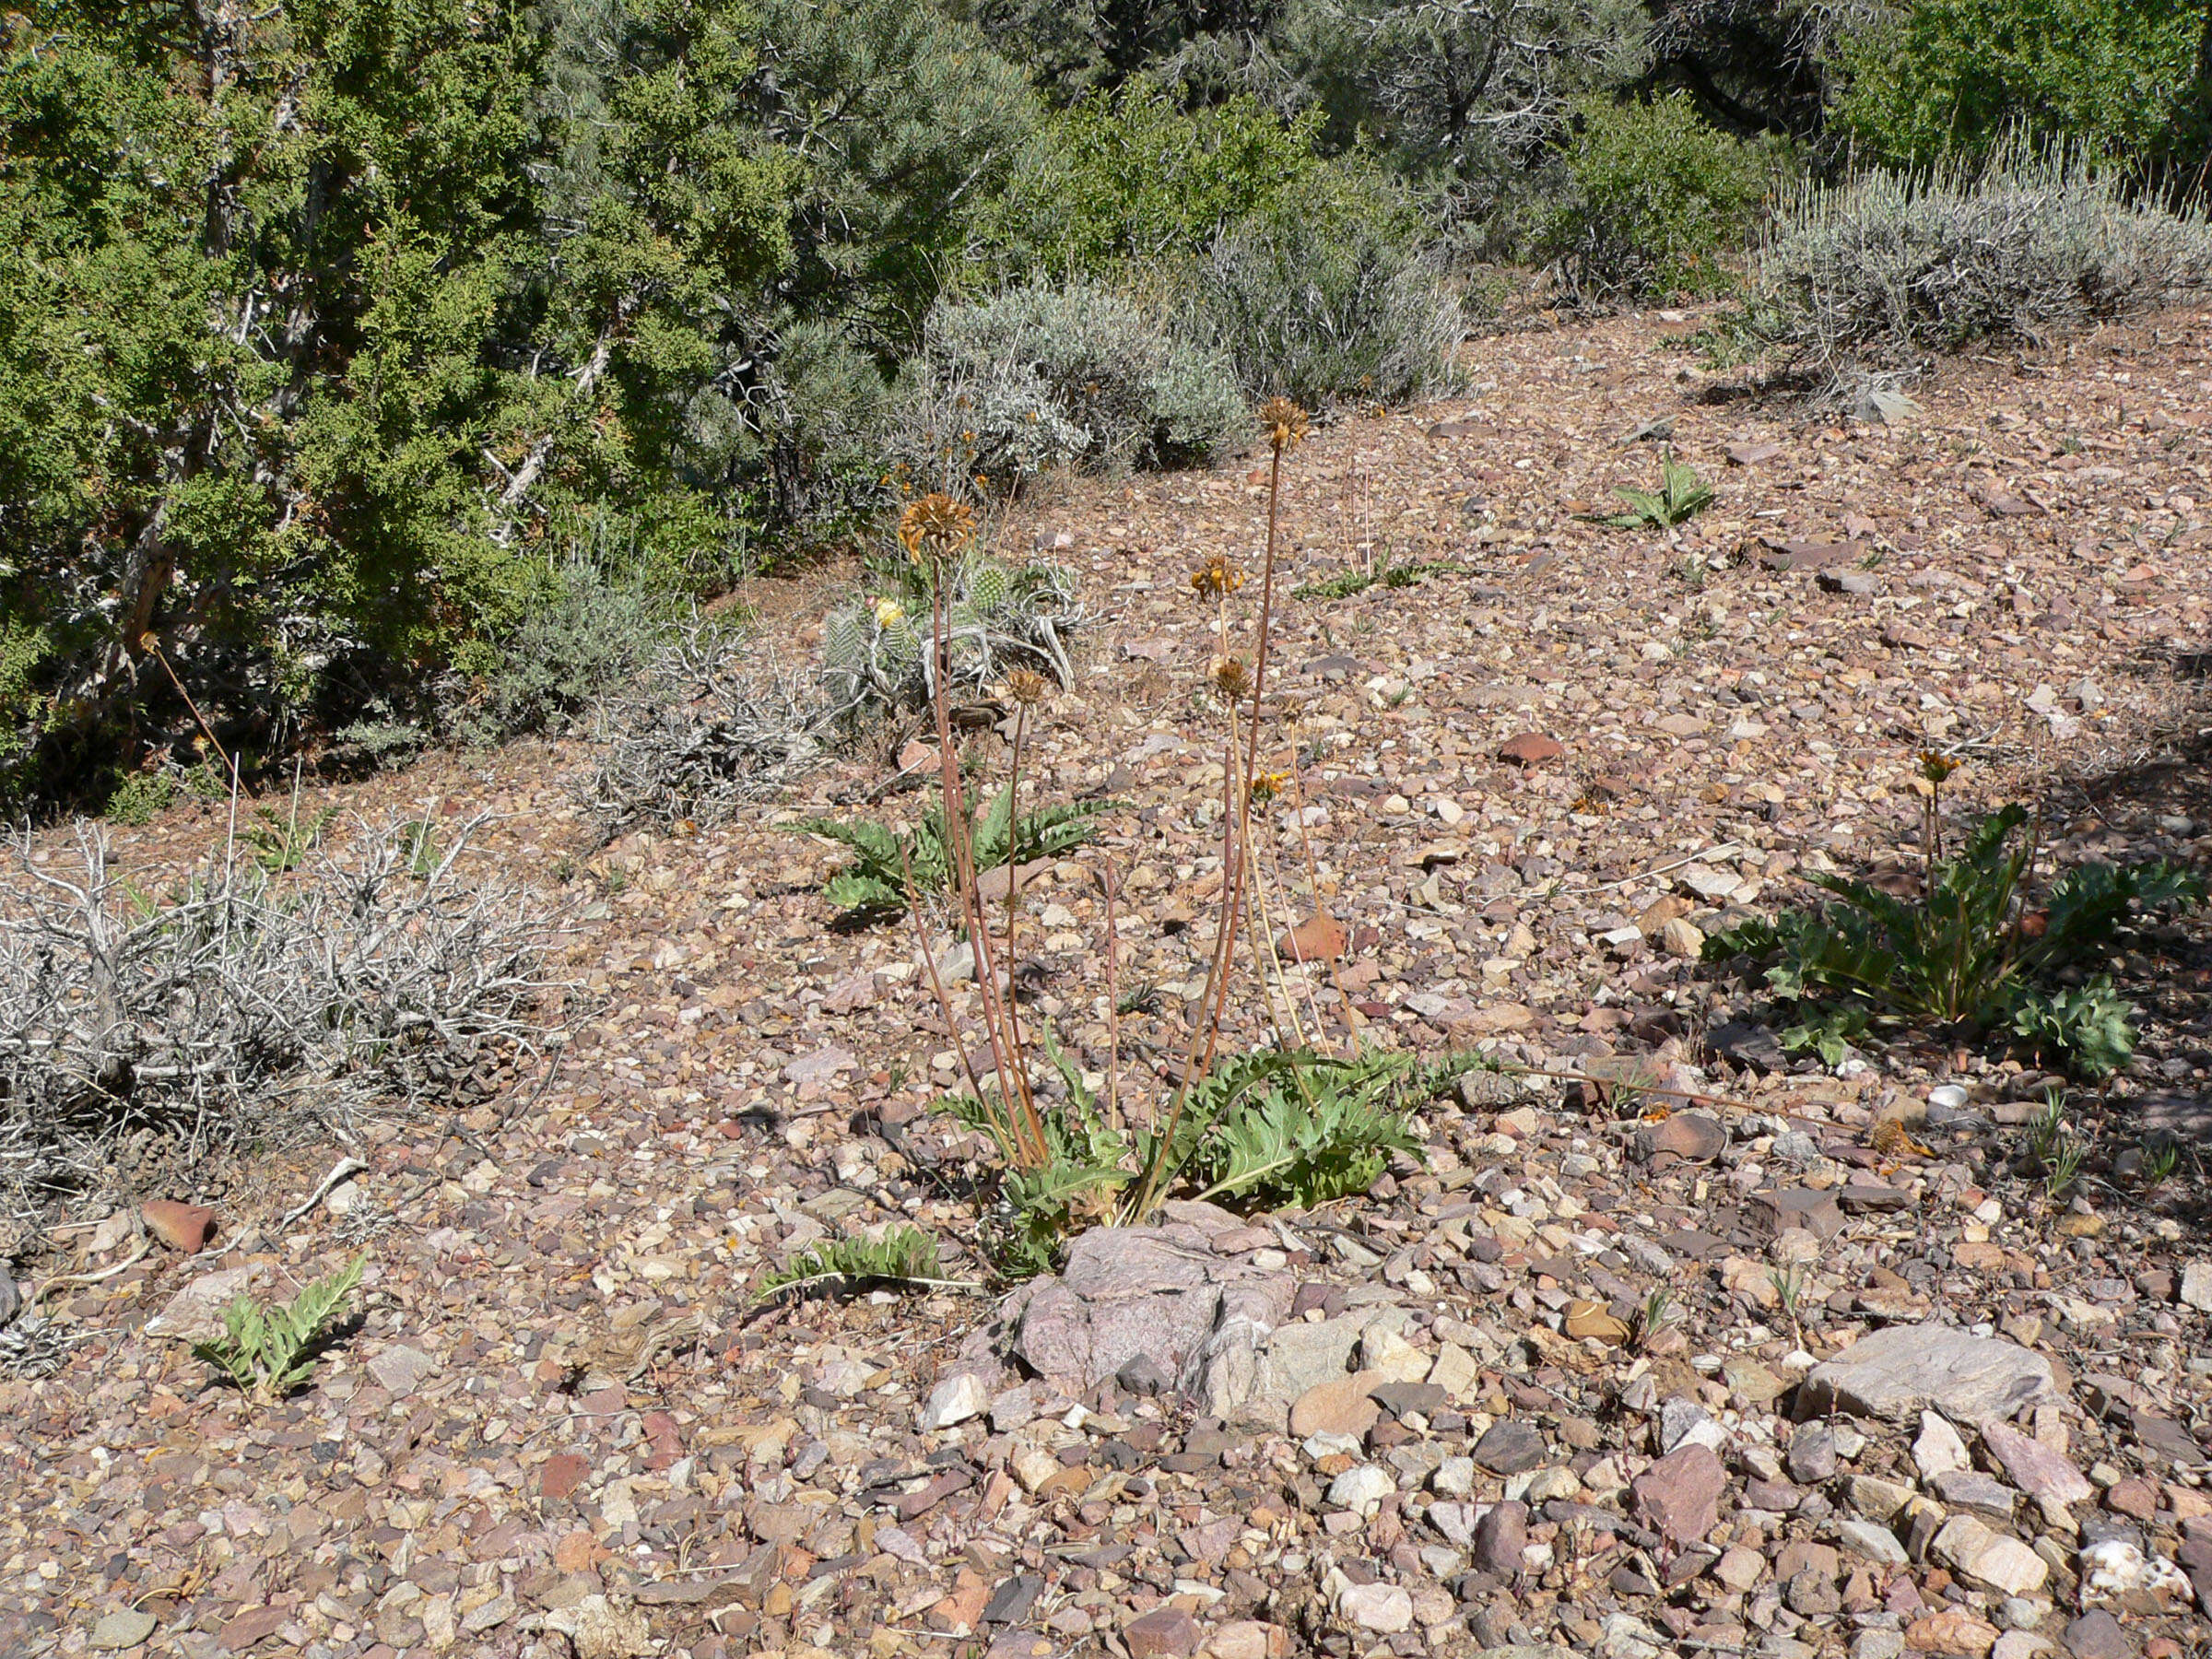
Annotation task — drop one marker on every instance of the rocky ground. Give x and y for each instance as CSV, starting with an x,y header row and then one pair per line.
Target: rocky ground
x,y
1610,1370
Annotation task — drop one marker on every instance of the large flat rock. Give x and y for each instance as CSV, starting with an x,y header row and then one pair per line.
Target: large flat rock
x,y
1897,1373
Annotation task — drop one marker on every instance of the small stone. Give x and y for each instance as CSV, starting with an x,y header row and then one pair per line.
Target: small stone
x,y
1319,938
1680,1494
1993,1560
185,1227
2035,1468
955,1400
1739,1568
1873,1540
2196,1287
1692,1136
1340,1406
1812,1458
1954,1632
2019,1645
1877,1644
1682,938
1877,1499
1938,1449
1163,1633
400,1370
2098,1635
1530,748
1361,1487
1384,1608
1970,1489
1500,1537
1241,1639
1898,1371
124,1628
1777,1210
1510,1447
561,1474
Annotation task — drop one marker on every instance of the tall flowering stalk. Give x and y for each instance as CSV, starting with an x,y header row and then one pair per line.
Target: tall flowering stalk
x,y
935,530
1235,683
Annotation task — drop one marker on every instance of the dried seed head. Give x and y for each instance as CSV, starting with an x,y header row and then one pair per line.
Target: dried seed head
x,y
935,526
1215,578
1231,677
1283,421
1028,687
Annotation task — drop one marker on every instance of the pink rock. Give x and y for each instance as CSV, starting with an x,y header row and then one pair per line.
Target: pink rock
x,y
1680,1494
1531,748
185,1227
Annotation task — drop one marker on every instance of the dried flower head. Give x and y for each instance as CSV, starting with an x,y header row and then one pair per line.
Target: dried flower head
x,y
1217,578
1283,421
1266,787
1935,768
1027,687
1231,677
935,526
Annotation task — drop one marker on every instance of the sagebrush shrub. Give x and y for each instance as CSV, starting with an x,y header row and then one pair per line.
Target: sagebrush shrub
x,y
588,633
1043,377
1320,307
1659,198
1893,267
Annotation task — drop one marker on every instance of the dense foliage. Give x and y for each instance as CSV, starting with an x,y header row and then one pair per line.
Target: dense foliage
x,y
343,341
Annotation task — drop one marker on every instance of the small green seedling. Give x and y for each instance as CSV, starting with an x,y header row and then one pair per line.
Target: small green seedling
x,y
1680,497
270,1352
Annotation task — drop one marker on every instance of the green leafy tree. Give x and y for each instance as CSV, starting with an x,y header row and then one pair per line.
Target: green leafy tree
x,y
253,267
1658,197
2122,79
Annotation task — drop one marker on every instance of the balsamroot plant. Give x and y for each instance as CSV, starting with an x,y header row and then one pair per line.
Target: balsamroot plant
x,y
1286,1122
251,1005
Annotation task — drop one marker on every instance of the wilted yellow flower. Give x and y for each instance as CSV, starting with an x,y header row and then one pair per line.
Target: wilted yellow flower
x,y
889,612
1231,677
1283,421
1935,768
1215,578
936,523
1028,687
1266,787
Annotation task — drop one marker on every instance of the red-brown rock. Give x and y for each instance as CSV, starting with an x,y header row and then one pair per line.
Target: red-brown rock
x,y
561,1474
1163,1633
185,1227
1531,748
1680,1494
1319,938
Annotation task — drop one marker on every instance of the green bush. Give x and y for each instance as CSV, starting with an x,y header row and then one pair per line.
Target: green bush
x,y
1946,77
1132,181
140,798
1891,265
1659,197
1321,304
1045,377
